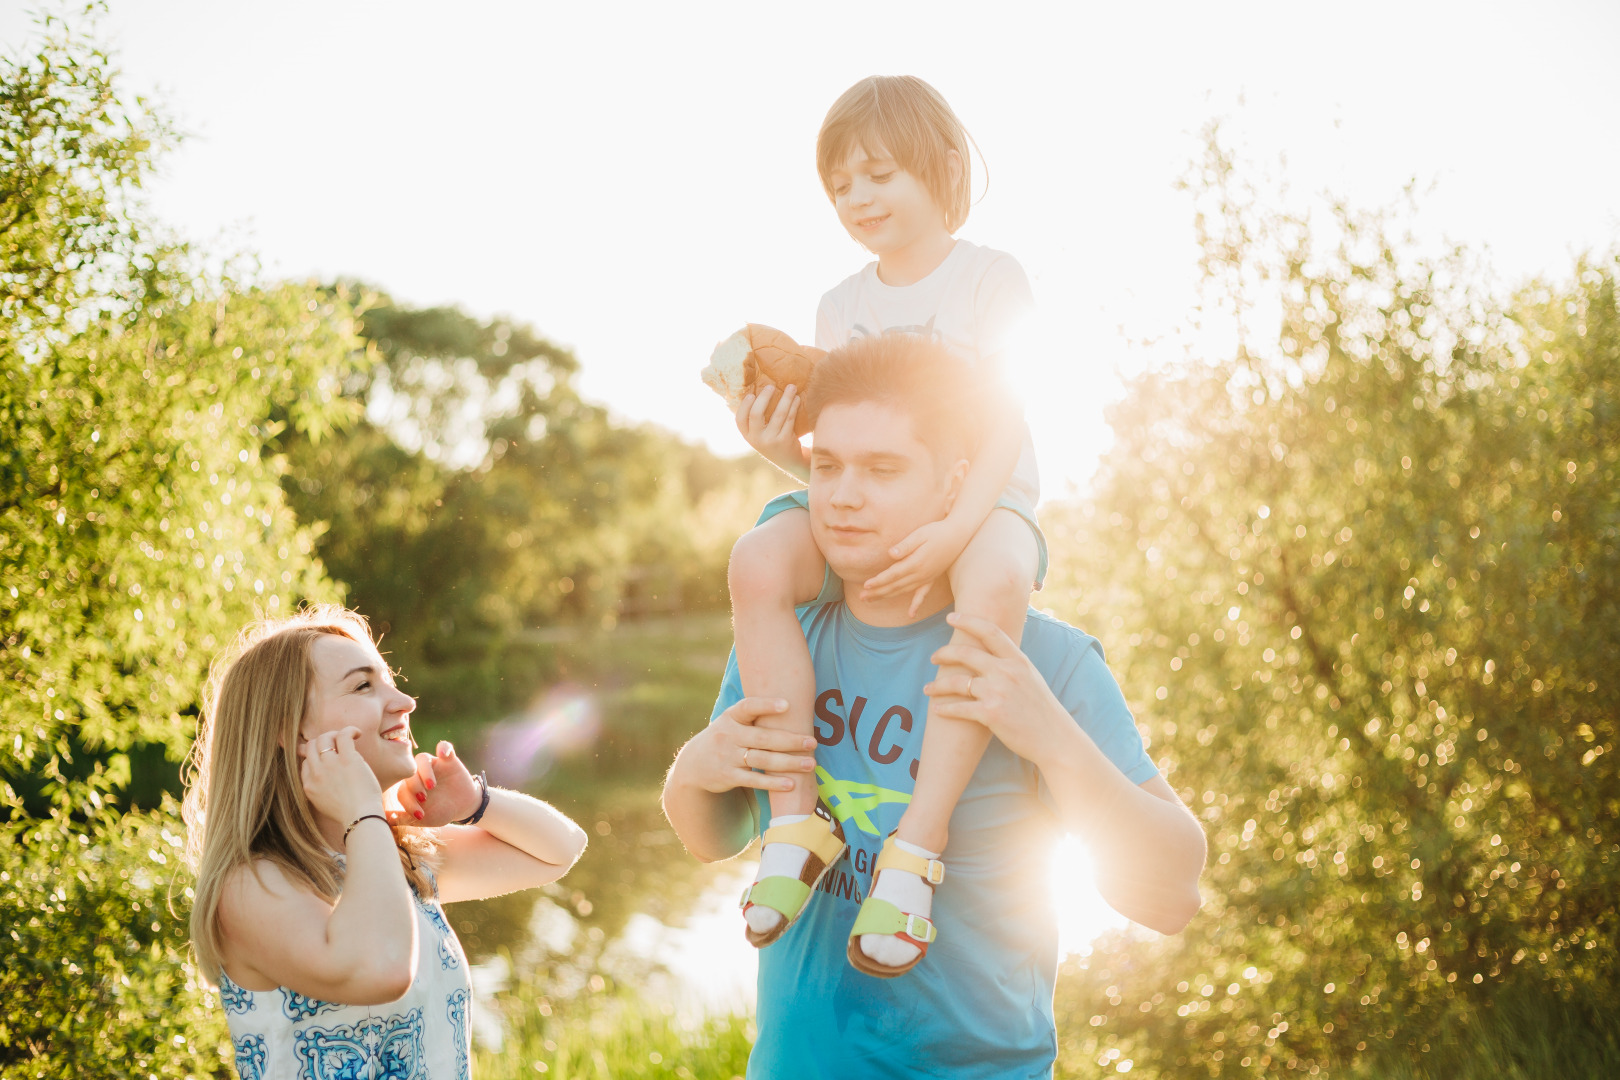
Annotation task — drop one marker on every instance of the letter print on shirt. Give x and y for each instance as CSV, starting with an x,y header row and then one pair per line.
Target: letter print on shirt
x,y
250,1057
374,1049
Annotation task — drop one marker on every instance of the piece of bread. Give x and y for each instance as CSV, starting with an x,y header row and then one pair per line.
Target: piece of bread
x,y
758,356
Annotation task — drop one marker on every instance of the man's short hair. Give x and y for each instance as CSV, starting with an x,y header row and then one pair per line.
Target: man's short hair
x,y
940,392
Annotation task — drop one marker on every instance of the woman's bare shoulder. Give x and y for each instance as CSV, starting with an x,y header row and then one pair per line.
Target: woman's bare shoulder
x,y
258,890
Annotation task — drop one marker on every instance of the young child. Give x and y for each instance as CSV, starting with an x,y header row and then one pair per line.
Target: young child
x,y
893,159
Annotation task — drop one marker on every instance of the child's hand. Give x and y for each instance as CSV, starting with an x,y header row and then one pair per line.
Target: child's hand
x,y
921,558
770,430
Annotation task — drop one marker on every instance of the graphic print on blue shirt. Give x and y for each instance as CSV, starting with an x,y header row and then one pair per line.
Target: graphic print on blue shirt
x,y
984,992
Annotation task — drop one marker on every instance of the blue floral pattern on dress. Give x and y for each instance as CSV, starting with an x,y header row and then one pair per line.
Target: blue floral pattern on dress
x,y
447,950
233,997
376,1048
298,1007
456,1007
250,1056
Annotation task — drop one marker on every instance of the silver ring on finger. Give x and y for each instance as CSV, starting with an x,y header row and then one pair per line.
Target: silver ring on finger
x,y
327,749
745,758
971,694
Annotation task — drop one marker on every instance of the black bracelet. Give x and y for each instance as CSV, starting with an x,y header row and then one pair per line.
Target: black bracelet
x,y
358,820
483,804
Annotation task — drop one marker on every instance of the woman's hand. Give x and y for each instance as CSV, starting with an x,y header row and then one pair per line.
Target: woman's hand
x,y
770,431
724,755
337,780
923,557
1003,690
441,792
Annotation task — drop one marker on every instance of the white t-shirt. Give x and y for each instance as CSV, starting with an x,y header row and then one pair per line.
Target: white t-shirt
x,y
973,303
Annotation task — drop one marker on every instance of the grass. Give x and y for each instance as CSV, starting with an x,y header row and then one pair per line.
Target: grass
x,y
604,1038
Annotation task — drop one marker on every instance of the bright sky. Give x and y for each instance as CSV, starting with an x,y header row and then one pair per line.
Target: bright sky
x,y
638,179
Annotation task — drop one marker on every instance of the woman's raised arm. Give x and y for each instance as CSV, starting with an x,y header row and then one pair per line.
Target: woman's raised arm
x,y
517,843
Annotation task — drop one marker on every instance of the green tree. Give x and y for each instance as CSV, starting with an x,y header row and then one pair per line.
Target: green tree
x,y
483,499
141,523
1362,579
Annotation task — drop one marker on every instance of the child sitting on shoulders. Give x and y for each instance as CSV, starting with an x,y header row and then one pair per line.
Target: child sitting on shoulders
x,y
893,159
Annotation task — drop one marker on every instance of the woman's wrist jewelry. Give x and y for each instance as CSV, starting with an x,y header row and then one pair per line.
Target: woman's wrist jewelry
x,y
483,802
358,820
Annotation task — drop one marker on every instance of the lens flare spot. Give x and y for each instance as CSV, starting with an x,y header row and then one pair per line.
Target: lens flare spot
x,y
564,720
1082,914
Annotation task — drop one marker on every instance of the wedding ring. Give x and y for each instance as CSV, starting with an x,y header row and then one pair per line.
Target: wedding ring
x,y
971,694
745,758
327,749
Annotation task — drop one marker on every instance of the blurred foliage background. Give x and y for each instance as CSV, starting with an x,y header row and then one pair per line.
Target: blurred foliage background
x,y
1359,579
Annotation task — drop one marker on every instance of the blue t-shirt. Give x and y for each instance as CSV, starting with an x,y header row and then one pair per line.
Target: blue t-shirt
x,y
980,1003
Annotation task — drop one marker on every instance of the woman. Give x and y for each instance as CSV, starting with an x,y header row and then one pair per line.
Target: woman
x,y
323,849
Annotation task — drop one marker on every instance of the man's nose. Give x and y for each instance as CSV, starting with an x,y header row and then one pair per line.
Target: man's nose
x,y
846,493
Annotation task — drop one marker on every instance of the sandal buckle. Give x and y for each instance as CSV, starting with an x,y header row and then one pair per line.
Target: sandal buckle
x,y
747,892
919,928
935,872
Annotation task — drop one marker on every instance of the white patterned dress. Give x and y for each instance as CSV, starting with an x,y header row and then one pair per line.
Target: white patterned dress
x,y
283,1035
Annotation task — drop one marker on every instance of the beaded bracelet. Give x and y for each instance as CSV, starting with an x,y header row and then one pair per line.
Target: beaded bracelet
x,y
483,803
358,820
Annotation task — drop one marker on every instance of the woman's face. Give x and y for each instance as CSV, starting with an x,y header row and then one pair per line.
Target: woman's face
x,y
352,687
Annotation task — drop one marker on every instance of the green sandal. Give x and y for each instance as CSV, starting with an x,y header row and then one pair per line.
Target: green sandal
x,y
883,917
823,838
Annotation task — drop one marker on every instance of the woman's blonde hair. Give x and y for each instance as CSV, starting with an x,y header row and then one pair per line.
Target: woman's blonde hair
x,y
244,798
903,118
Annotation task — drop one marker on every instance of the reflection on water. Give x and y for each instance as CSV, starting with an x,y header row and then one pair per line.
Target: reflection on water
x,y
637,912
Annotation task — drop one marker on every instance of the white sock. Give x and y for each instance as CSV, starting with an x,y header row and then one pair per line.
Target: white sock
x,y
909,893
777,860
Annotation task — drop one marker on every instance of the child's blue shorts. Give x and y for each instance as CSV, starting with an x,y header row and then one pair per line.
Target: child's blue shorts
x,y
832,586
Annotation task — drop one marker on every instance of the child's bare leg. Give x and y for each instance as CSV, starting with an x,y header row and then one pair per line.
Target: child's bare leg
x,y
775,567
992,579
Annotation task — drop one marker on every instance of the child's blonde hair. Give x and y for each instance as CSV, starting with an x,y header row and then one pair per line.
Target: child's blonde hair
x,y
909,121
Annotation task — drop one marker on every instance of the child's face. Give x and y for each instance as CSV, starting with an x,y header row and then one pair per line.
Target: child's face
x,y
884,207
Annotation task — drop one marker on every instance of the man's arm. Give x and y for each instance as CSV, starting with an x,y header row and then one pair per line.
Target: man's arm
x,y
706,794
1149,849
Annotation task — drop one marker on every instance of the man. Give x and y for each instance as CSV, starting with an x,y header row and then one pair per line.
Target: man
x,y
1066,758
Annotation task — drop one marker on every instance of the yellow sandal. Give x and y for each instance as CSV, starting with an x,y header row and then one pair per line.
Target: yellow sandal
x,y
883,917
823,838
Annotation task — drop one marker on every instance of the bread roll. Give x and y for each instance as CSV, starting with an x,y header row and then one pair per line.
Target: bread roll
x,y
756,357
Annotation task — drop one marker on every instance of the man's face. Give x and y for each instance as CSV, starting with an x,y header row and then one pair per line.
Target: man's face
x,y
872,482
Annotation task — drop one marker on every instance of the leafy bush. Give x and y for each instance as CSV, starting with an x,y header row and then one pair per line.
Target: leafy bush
x,y
1361,581
141,523
96,980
